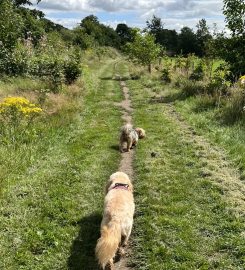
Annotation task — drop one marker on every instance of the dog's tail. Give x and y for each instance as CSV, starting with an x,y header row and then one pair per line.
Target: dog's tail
x,y
126,129
108,242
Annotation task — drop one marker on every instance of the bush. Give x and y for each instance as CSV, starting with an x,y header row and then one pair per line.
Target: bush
x,y
72,72
198,73
166,75
219,84
49,69
72,67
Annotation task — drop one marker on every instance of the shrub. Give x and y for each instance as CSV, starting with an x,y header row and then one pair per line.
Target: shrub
x,y
72,71
219,84
198,73
166,75
72,67
56,64
49,67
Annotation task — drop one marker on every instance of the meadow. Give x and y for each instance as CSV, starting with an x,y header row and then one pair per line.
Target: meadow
x,y
188,172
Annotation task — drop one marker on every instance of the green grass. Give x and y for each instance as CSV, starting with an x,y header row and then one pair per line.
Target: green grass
x,y
52,188
211,122
183,218
10,86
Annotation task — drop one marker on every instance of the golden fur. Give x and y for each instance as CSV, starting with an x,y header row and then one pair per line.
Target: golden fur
x,y
117,219
131,136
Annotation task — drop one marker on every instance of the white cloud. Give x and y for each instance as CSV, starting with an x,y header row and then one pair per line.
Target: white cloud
x,y
180,12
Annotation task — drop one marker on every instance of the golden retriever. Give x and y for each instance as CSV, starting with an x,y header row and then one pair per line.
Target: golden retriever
x,y
117,219
131,136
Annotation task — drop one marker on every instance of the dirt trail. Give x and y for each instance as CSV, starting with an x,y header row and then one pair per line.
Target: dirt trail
x,y
126,164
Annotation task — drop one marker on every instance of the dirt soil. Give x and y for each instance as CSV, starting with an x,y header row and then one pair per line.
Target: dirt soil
x,y
126,164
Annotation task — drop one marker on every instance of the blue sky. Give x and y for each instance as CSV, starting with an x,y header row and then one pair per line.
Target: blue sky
x,y
174,13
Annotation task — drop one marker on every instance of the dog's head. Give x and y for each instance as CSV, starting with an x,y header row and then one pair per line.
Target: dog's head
x,y
140,132
119,177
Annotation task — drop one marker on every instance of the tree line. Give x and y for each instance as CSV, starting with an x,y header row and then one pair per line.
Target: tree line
x,y
18,23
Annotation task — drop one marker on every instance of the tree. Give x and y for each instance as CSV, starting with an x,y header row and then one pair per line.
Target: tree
x,y
234,10
125,33
168,39
82,39
187,41
143,49
165,37
102,34
232,49
11,25
23,2
202,37
154,26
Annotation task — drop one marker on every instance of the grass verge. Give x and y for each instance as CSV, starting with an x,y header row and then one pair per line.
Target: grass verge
x,y
183,219
52,188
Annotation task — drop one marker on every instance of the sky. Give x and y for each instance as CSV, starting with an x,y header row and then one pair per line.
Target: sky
x,y
174,13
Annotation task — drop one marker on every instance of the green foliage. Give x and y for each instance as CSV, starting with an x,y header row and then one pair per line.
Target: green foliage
x,y
184,43
26,50
198,72
125,33
202,36
232,49
82,39
33,25
143,49
72,67
219,83
234,10
23,2
154,26
11,25
165,37
187,41
91,33
166,75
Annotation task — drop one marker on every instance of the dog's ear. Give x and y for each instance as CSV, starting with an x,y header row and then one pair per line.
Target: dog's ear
x,y
141,132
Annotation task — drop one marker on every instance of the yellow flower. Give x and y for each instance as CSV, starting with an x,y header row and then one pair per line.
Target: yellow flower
x,y
19,105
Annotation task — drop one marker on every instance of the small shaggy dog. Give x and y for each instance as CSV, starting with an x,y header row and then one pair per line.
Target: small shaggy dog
x,y
117,219
131,136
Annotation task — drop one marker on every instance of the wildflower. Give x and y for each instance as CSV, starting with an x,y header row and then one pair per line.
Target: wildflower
x,y
19,105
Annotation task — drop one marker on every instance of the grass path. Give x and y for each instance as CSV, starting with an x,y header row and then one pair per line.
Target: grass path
x,y
51,209
189,197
